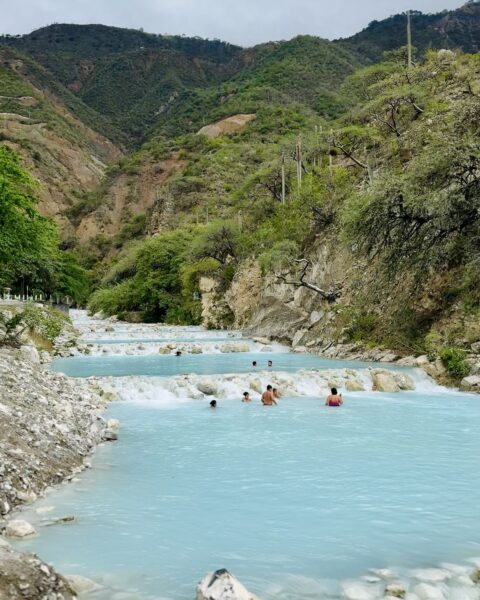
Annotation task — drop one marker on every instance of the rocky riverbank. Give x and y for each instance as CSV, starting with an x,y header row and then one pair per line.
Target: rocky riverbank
x,y
49,425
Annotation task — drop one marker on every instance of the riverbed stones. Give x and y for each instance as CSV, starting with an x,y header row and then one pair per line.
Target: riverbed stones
x,y
48,425
427,591
395,590
222,585
18,528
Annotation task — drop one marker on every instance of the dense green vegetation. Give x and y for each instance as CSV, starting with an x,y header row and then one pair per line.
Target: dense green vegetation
x,y
29,244
395,180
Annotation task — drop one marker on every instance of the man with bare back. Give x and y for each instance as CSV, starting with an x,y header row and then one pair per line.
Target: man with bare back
x,y
268,399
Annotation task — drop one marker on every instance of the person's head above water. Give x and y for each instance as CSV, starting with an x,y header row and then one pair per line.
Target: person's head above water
x,y
254,363
246,394
213,404
269,388
270,363
178,353
334,391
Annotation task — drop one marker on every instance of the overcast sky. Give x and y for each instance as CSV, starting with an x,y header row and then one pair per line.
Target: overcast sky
x,y
244,22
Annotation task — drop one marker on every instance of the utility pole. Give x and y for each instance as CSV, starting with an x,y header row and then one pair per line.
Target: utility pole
x,y
283,178
298,156
409,38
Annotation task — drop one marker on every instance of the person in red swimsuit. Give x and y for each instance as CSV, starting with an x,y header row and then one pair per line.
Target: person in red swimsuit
x,y
334,399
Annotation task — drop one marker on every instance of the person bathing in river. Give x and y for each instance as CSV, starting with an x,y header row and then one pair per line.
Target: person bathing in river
x,y
276,393
270,364
334,399
213,404
246,397
267,397
254,364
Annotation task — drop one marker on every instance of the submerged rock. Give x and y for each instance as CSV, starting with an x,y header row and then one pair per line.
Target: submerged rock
x,y
18,528
221,585
80,584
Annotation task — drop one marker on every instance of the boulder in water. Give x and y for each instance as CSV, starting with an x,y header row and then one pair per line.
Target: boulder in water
x,y
353,385
207,387
229,348
404,382
384,381
80,584
425,591
221,585
470,384
18,528
255,385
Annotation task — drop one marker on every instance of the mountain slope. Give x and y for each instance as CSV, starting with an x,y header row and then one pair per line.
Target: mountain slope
x,y
62,152
125,74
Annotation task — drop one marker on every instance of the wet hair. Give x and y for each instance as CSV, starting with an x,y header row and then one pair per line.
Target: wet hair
x,y
246,394
334,391
270,362
178,353
213,403
269,387
254,363
275,390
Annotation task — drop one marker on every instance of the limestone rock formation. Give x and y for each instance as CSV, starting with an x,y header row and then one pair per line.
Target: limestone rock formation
x,y
221,585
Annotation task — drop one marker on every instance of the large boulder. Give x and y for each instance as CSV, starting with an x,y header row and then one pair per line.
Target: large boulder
x,y
228,348
385,381
354,385
17,528
221,585
470,384
404,382
30,354
207,387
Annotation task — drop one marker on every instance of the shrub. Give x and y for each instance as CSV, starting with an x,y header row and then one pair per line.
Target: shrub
x,y
453,360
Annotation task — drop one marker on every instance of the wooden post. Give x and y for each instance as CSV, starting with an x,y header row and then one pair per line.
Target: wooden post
x,y
283,178
409,39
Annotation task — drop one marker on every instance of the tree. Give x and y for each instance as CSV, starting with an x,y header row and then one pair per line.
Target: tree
x,y
29,253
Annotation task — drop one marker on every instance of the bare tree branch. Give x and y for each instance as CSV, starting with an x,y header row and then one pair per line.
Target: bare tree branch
x,y
330,295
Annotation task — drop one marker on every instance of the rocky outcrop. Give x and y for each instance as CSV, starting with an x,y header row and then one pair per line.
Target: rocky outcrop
x,y
26,577
48,425
221,585
216,313
244,293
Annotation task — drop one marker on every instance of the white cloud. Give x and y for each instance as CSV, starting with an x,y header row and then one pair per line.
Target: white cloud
x,y
243,22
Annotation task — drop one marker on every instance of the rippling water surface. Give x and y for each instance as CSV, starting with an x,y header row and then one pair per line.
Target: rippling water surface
x,y
291,499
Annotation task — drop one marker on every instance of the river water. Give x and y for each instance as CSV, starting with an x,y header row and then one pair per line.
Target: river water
x,y
295,500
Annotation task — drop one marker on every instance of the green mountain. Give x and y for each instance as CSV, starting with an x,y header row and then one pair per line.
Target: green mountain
x,y
126,75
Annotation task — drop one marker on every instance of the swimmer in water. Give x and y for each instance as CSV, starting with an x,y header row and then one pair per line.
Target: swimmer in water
x,y
334,399
246,397
268,399
213,404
